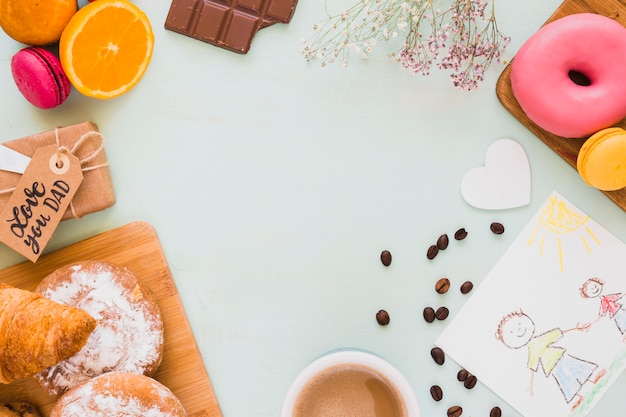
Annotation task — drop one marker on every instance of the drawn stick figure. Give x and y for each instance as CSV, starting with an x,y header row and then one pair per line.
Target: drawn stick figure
x,y
609,304
517,330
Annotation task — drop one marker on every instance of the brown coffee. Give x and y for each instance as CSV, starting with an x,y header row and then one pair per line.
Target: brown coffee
x,y
349,389
466,287
436,392
462,375
442,313
442,285
495,412
455,411
497,228
382,317
432,251
438,355
442,242
385,257
429,314
470,381
460,234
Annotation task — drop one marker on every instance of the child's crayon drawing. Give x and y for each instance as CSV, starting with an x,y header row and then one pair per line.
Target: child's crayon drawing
x,y
517,330
545,329
557,222
610,305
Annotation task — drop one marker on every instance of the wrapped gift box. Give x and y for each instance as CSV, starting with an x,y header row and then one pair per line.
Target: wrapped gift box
x,y
96,191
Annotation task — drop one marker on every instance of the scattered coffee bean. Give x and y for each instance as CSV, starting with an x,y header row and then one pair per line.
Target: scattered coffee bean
x,y
455,411
385,257
382,317
433,250
460,234
429,314
436,392
462,375
495,412
470,381
466,287
442,313
438,355
442,286
442,242
497,228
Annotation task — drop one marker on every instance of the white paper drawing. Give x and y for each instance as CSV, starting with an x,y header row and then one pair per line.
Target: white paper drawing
x,y
545,330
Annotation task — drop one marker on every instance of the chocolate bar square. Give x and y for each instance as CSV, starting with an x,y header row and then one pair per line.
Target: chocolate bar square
x,y
229,24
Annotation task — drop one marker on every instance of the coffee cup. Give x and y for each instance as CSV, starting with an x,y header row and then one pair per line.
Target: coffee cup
x,y
350,382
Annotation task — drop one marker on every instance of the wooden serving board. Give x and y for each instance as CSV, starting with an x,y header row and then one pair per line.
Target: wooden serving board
x,y
565,147
137,247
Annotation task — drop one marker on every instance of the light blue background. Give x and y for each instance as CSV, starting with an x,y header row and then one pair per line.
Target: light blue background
x,y
274,184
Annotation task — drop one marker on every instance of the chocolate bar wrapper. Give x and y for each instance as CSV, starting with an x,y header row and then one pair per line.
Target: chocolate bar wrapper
x,y
95,192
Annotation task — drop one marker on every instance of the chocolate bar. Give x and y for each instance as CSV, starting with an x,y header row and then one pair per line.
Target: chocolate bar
x,y
229,24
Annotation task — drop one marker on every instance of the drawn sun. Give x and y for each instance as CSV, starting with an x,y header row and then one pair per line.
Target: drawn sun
x,y
556,220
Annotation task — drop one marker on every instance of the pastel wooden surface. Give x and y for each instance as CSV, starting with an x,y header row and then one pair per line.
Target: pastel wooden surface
x,y
566,148
274,184
136,246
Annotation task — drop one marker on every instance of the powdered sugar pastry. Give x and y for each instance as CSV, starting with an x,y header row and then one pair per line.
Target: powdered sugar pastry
x,y
129,334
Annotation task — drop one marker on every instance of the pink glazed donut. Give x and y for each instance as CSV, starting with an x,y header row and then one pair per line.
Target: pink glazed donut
x,y
586,47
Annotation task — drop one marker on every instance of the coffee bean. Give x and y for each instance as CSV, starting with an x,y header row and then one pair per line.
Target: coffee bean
x,y
466,287
436,392
385,257
442,242
455,411
470,382
438,355
460,234
497,228
429,314
495,412
462,375
442,286
433,250
382,317
442,313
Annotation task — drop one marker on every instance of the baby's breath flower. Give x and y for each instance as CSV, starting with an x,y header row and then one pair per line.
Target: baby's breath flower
x,y
460,36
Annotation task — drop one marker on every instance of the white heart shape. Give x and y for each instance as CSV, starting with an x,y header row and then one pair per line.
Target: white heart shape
x,y
504,181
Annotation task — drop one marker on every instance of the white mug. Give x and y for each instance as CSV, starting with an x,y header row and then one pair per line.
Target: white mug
x,y
352,357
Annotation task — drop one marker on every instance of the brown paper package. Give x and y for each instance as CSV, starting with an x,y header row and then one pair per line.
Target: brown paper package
x,y
95,192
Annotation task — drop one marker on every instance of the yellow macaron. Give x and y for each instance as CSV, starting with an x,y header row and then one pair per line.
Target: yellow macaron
x,y
602,159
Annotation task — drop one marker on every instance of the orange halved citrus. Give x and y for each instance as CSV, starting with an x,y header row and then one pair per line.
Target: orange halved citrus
x,y
36,22
106,48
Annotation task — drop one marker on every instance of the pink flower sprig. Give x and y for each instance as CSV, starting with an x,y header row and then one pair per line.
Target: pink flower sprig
x,y
462,37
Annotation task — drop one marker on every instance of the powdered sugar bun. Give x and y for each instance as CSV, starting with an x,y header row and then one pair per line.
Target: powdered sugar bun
x,y
129,333
119,394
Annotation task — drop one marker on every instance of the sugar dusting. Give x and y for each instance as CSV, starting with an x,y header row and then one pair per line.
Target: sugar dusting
x,y
84,401
127,338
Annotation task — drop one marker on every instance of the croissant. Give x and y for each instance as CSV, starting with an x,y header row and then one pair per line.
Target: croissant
x,y
36,333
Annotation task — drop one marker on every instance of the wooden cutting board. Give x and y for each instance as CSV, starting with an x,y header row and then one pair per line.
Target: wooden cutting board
x,y
137,247
566,148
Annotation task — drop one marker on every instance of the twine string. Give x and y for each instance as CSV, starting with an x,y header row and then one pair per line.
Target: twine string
x,y
82,160
82,139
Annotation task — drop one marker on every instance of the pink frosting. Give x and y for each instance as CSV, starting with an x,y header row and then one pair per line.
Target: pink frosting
x,y
590,44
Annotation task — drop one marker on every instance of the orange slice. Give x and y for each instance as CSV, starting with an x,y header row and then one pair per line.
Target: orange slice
x,y
106,48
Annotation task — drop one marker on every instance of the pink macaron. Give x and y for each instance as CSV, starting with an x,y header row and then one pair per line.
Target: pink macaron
x,y
39,77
